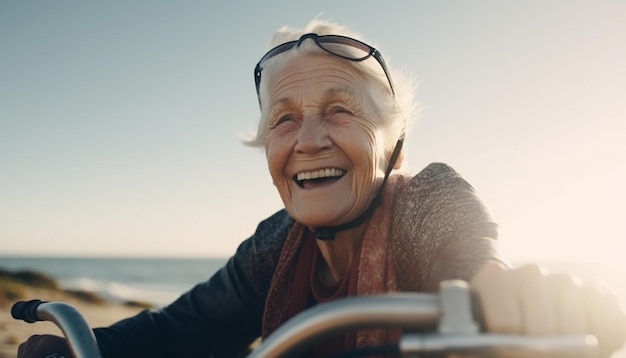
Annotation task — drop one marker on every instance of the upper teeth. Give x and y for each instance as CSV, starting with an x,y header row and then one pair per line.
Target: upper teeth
x,y
322,173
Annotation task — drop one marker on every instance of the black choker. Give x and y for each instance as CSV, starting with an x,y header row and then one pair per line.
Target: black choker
x,y
328,233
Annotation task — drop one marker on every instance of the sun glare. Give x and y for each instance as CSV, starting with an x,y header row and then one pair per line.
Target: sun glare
x,y
581,223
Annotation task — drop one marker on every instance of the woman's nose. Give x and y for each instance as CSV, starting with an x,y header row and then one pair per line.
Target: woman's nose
x,y
312,136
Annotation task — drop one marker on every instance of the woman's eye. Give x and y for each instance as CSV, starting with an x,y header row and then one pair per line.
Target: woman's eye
x,y
282,119
340,109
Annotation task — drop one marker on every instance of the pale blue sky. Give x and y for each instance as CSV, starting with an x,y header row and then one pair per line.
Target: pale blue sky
x,y
119,120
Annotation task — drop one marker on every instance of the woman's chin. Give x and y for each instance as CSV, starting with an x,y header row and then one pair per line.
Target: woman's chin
x,y
316,219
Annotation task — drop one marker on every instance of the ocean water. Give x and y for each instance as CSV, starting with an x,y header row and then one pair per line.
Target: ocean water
x,y
155,280
161,280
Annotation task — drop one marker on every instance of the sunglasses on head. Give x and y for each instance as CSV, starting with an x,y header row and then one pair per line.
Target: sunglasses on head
x,y
341,46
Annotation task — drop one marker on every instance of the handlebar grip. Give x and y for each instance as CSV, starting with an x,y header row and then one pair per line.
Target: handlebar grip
x,y
26,310
80,336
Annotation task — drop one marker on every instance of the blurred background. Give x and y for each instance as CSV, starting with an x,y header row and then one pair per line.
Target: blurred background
x,y
120,122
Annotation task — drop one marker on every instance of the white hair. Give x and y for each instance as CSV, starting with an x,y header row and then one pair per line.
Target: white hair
x,y
396,111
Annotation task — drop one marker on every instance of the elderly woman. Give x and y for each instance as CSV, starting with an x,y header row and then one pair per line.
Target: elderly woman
x,y
332,124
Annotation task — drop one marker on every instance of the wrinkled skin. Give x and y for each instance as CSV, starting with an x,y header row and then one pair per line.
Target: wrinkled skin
x,y
320,117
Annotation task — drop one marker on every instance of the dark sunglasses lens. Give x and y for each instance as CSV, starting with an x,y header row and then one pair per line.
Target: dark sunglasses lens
x,y
346,48
277,51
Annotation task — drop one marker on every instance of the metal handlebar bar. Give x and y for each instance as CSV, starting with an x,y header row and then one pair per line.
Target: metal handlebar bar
x,y
450,311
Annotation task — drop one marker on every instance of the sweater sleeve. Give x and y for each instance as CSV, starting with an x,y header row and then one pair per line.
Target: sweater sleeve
x,y
441,230
217,318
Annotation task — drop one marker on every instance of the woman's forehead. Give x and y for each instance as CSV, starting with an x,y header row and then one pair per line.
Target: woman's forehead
x,y
313,72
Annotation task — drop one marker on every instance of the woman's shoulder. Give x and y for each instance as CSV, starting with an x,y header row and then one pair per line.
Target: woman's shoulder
x,y
258,256
277,223
435,172
271,233
431,182
435,208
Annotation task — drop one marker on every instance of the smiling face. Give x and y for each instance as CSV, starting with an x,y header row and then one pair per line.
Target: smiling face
x,y
324,146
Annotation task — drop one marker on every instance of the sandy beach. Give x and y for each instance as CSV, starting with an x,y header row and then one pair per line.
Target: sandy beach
x,y
13,332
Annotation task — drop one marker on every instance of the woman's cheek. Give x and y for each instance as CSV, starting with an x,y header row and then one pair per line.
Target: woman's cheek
x,y
271,156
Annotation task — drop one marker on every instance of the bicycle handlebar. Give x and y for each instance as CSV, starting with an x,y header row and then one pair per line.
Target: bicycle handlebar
x,y
412,311
79,335
450,311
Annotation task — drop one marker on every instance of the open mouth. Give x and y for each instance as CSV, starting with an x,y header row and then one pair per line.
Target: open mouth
x,y
321,176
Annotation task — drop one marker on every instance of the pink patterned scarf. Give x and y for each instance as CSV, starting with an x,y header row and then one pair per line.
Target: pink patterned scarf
x,y
376,270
